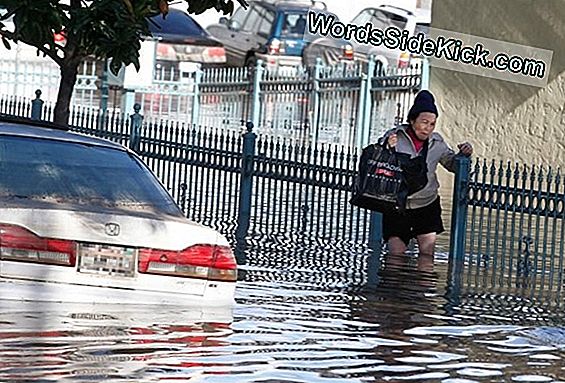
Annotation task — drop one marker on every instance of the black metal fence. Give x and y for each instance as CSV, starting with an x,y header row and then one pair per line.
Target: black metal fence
x,y
276,193
507,229
507,225
339,104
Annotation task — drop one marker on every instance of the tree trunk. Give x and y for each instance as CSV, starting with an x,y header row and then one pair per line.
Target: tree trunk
x,y
69,71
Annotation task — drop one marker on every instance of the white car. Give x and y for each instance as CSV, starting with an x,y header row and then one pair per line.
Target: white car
x,y
84,220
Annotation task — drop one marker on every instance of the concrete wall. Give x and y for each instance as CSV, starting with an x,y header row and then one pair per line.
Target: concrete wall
x,y
504,120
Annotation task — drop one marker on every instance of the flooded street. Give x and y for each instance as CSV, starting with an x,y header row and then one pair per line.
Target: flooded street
x,y
285,327
308,309
265,153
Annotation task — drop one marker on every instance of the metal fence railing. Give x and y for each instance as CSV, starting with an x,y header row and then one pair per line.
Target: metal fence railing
x,y
339,104
347,104
252,188
508,229
507,226
21,78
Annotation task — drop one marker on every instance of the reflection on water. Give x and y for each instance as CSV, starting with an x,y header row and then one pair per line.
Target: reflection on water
x,y
403,326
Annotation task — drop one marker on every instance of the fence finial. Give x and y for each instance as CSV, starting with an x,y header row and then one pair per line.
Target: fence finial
x,y
136,123
249,126
37,106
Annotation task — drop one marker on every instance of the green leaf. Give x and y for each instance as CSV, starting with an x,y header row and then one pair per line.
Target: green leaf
x,y
103,29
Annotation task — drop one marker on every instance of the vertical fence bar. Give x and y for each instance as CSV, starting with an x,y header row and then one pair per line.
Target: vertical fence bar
x,y
365,133
256,97
459,211
356,136
315,123
195,111
375,232
246,182
458,230
104,87
425,79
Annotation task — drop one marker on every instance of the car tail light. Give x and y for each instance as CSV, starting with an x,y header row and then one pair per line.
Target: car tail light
x,y
199,261
348,52
276,47
214,55
20,244
403,60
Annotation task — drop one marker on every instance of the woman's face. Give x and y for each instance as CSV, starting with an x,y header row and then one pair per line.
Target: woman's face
x,y
424,125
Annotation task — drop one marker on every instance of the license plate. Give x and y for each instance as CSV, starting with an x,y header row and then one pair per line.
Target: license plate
x,y
106,260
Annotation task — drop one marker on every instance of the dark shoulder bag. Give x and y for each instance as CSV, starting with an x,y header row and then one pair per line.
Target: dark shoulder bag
x,y
379,184
415,170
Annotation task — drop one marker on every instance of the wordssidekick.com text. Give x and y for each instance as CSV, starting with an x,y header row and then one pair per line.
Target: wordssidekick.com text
x,y
440,47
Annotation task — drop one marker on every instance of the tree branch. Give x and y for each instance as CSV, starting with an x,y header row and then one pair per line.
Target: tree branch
x,y
49,52
8,35
72,50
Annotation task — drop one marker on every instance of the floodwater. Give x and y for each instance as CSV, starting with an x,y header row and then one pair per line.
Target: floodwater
x,y
305,312
295,324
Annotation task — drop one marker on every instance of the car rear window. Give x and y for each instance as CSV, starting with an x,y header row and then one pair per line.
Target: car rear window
x,y
422,28
78,174
294,24
176,23
380,19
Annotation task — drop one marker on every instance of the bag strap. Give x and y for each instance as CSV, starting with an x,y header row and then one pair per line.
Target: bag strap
x,y
424,151
382,140
378,147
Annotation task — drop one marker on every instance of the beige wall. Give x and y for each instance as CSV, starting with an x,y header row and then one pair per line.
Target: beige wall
x,y
504,120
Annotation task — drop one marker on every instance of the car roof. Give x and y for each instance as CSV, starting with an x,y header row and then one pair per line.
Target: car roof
x,y
395,10
177,22
31,129
285,5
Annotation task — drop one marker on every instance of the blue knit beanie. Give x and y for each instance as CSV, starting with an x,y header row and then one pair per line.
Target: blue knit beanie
x,y
424,102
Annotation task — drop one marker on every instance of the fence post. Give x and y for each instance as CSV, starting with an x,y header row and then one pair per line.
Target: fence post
x,y
459,209
425,81
364,109
195,112
368,103
360,113
375,231
256,100
104,88
315,123
37,106
246,182
128,100
458,231
136,120
375,244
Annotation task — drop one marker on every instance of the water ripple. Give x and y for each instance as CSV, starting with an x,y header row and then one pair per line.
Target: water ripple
x,y
295,320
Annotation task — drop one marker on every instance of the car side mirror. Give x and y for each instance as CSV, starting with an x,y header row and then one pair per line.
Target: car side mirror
x,y
223,20
234,25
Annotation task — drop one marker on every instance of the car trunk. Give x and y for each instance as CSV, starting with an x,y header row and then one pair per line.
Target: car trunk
x,y
107,249
150,231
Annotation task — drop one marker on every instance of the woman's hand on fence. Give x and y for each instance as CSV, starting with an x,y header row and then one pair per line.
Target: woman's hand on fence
x,y
465,148
392,140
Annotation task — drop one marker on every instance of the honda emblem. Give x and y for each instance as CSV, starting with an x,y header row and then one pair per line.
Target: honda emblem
x,y
112,229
